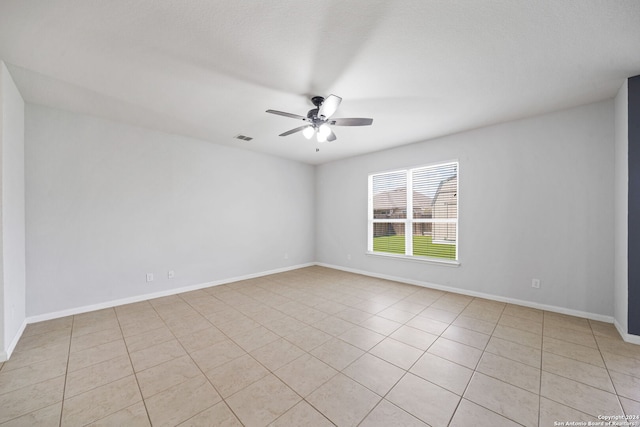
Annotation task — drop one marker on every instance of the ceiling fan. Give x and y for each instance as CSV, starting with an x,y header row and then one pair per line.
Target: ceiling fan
x,y
318,120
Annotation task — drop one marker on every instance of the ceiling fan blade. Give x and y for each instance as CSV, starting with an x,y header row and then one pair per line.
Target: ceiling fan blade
x,y
331,137
353,121
282,113
289,132
329,106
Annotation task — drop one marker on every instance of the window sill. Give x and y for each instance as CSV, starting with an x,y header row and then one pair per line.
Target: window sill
x,y
447,263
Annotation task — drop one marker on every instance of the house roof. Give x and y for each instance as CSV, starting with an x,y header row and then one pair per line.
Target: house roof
x,y
397,199
420,68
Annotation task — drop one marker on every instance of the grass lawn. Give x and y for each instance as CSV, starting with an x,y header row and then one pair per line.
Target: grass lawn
x,y
422,246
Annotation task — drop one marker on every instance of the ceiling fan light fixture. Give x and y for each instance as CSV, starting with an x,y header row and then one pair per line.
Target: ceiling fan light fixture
x,y
321,137
324,130
308,132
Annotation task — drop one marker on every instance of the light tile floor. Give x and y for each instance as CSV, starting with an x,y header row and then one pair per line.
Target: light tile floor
x,y
318,347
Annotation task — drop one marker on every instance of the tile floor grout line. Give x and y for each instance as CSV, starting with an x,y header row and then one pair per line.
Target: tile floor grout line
x,y
613,384
66,373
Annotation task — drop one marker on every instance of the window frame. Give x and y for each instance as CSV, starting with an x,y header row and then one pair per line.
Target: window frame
x,y
409,221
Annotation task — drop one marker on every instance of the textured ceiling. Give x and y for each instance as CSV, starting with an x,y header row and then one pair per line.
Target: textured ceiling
x,y
209,69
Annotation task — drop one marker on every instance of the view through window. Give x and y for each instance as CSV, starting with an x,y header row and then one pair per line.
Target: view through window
x,y
421,203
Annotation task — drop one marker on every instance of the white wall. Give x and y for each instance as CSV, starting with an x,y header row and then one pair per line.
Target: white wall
x,y
108,202
621,185
12,211
535,202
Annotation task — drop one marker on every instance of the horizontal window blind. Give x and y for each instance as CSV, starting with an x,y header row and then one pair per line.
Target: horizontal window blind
x,y
414,212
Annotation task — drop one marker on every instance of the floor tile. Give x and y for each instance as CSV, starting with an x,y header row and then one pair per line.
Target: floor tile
x,y
362,338
431,326
165,375
100,402
251,340
93,376
578,371
396,315
285,325
218,415
217,354
387,414
573,351
308,338
157,354
337,353
507,400
510,371
50,350
181,402
524,312
132,416
475,324
442,372
470,414
428,402
305,374
255,338
381,325
83,342
148,339
466,336
201,339
343,401
97,354
263,401
31,398
553,412
235,375
45,417
521,323
277,354
571,335
455,352
579,396
15,379
353,315
374,373
631,407
626,385
302,414
622,364
518,336
438,314
518,352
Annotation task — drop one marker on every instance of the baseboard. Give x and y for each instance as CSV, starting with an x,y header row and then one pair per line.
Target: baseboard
x,y
6,354
153,295
630,338
552,308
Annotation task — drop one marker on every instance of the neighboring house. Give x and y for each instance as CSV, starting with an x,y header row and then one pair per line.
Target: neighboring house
x,y
393,205
445,205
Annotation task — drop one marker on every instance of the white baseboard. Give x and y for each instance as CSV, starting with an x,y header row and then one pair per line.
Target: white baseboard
x,y
633,339
6,354
552,308
168,292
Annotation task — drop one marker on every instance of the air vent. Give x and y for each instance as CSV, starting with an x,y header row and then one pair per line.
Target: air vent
x,y
243,137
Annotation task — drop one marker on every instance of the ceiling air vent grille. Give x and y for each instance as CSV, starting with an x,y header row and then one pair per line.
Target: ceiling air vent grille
x,y
243,137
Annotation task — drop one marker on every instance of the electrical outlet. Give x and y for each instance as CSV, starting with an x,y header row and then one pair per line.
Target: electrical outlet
x,y
149,277
349,257
286,256
535,283
171,274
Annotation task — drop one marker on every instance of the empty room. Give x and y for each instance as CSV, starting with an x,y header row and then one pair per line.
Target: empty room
x,y
341,213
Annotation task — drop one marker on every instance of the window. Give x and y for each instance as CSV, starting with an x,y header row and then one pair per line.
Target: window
x,y
421,203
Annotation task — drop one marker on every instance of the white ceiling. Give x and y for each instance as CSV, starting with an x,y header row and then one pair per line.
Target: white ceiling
x,y
421,68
